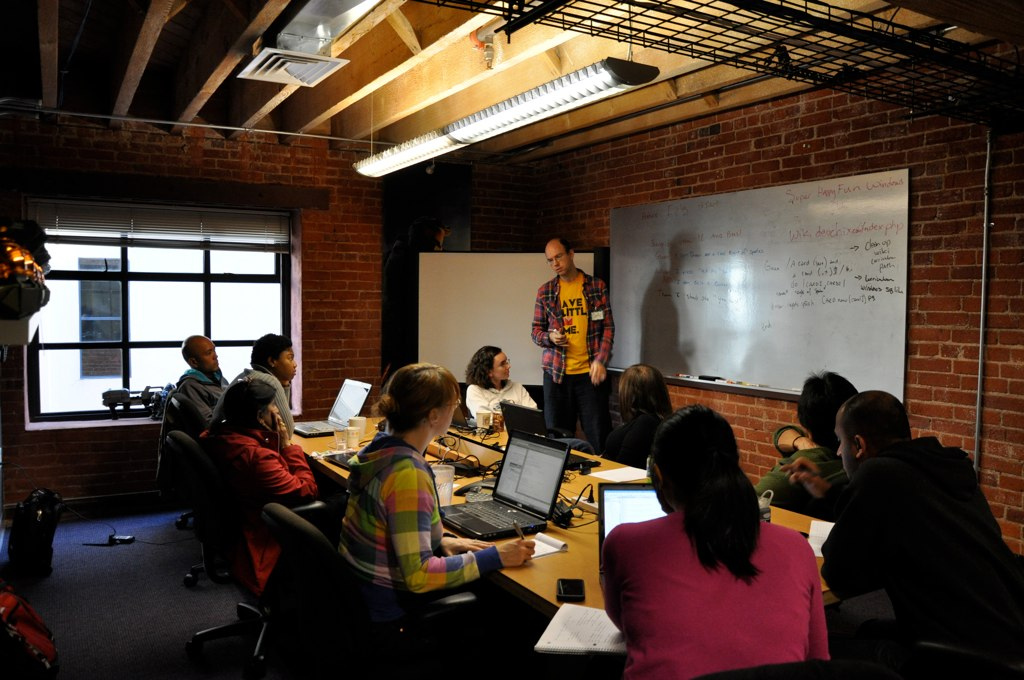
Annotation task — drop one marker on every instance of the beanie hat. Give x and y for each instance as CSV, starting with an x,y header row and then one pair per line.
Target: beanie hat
x,y
244,400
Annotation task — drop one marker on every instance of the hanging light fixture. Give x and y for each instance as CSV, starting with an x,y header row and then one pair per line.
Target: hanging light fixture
x,y
579,88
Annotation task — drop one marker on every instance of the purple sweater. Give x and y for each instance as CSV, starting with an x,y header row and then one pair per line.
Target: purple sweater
x,y
681,621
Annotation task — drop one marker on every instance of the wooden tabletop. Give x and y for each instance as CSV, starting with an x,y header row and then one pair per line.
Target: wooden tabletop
x,y
534,582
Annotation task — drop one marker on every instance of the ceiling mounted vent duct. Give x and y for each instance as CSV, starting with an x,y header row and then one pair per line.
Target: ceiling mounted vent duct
x,y
297,51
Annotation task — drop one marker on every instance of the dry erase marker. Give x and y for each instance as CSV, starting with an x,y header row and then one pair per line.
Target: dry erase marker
x,y
519,530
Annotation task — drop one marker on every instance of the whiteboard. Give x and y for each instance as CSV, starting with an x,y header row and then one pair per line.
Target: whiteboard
x,y
768,285
468,300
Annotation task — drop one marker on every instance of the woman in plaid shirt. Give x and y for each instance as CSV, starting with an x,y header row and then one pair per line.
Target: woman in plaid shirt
x,y
392,534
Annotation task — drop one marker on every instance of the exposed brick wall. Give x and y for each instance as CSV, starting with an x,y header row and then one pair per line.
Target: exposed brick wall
x,y
503,210
340,261
804,138
822,135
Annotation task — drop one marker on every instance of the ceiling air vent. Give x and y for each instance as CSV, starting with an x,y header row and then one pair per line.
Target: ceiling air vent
x,y
291,68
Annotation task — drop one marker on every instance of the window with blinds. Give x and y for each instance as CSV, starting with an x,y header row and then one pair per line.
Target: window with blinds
x,y
128,283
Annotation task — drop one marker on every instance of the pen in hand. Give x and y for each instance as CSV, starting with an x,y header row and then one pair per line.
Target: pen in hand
x,y
519,530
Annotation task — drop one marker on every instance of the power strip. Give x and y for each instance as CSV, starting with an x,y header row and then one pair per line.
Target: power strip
x,y
586,505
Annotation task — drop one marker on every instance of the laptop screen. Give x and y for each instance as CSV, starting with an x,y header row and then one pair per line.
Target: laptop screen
x,y
531,472
523,418
622,503
349,402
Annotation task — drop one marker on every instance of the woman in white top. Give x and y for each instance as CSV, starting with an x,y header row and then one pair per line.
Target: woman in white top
x,y
488,384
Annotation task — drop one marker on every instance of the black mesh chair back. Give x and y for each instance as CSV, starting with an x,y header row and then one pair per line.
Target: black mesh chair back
x,y
180,413
203,488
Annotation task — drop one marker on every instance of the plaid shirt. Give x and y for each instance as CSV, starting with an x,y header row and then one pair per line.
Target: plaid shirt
x,y
392,527
547,314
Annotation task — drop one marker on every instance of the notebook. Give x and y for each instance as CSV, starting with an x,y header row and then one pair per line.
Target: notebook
x,y
531,420
576,629
350,401
622,503
525,491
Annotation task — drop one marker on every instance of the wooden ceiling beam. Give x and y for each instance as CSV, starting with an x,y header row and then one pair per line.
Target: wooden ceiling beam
x,y
1000,19
446,85
205,67
376,59
694,108
137,55
48,11
253,102
403,27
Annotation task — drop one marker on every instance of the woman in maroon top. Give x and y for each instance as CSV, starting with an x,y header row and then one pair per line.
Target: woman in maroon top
x,y
250,445
709,587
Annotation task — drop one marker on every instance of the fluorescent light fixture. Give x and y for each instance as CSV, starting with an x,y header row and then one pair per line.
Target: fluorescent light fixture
x,y
585,86
407,153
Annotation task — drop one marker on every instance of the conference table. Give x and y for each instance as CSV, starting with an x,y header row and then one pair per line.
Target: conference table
x,y
534,582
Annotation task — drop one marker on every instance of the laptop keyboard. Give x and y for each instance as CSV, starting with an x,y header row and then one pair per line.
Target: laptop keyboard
x,y
495,513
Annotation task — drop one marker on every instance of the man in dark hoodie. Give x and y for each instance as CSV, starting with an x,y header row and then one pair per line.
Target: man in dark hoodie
x,y
202,383
913,520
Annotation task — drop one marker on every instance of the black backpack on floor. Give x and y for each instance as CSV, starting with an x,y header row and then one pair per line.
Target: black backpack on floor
x,y
30,546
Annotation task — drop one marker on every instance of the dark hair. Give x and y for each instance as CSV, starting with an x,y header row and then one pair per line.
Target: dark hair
x,y
412,391
877,416
244,401
269,346
423,233
820,399
478,371
695,451
642,389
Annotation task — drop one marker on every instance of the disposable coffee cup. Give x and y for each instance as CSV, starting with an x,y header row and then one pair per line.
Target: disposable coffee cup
x,y
352,437
444,479
483,419
358,422
764,503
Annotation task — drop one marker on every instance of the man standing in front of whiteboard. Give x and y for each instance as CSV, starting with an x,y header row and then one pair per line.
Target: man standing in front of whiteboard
x,y
572,322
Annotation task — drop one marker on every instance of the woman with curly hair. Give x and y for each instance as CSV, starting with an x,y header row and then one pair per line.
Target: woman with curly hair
x,y
488,384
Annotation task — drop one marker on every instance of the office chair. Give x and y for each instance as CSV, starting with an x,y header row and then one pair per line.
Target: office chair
x,y
180,413
318,590
944,659
203,488
217,527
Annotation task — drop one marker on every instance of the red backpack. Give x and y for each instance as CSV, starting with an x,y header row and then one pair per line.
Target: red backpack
x,y
26,644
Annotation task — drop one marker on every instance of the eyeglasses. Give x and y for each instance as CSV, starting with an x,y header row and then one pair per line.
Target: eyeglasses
x,y
557,258
506,362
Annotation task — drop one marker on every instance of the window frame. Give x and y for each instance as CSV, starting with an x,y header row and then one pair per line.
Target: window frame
x,y
280,276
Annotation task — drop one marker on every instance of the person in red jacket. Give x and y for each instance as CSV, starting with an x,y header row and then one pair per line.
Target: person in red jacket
x,y
251,448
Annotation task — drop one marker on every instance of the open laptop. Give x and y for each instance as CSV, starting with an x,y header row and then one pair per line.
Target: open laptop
x,y
621,503
525,491
531,420
350,401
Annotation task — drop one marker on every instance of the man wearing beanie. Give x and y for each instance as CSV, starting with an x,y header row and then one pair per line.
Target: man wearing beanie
x,y
273,363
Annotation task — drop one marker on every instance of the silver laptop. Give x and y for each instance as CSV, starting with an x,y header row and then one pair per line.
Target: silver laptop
x,y
349,403
525,491
619,503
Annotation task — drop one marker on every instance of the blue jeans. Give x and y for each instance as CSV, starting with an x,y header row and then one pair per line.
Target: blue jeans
x,y
577,398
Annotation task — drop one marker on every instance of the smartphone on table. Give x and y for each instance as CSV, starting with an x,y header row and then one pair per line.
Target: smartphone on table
x,y
570,590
